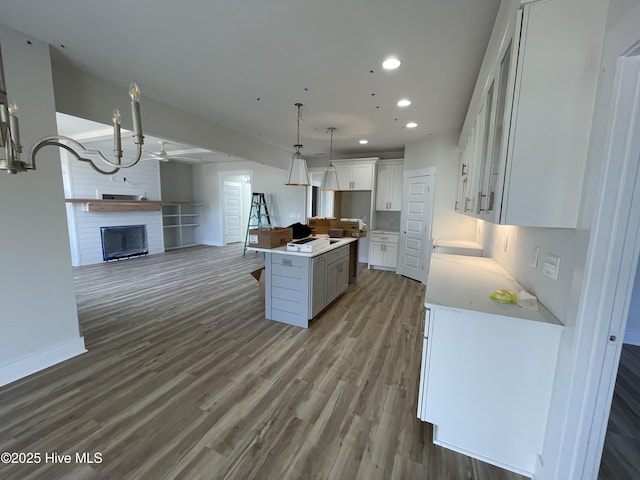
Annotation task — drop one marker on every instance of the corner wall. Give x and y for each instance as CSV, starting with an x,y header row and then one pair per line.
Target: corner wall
x,y
38,316
442,152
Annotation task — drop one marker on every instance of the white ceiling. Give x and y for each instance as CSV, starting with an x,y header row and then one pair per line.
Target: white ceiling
x,y
245,63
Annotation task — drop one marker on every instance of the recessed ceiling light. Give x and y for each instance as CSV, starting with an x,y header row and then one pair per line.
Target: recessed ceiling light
x,y
412,125
363,142
403,102
391,63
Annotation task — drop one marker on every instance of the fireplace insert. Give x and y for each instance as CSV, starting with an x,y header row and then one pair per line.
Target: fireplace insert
x,y
124,241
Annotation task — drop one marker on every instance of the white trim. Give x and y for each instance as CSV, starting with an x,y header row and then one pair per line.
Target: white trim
x,y
419,172
612,256
632,337
40,360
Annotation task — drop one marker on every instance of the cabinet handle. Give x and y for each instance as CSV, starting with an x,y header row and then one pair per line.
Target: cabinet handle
x,y
466,204
464,170
479,207
492,197
457,207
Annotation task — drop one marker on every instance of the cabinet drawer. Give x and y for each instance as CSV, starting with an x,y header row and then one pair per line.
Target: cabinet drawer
x,y
337,254
384,237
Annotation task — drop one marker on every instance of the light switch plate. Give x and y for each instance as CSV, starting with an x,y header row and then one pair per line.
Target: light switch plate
x,y
533,261
551,266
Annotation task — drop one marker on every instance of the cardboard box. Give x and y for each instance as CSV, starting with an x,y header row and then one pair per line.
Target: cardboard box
x,y
320,225
272,238
350,228
259,276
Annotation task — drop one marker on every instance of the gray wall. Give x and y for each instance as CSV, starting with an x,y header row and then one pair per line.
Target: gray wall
x,y
38,315
176,182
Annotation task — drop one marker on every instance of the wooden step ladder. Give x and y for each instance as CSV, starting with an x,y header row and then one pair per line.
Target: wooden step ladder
x,y
258,216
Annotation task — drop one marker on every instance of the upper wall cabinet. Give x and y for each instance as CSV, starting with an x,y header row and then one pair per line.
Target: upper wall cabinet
x,y
524,145
355,174
389,185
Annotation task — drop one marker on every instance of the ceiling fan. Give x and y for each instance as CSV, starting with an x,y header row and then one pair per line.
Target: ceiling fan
x,y
163,156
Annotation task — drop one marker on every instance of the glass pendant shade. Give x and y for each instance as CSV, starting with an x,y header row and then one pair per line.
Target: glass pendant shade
x,y
330,180
298,173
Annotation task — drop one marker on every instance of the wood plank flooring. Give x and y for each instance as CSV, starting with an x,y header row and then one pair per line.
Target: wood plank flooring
x,y
184,378
621,455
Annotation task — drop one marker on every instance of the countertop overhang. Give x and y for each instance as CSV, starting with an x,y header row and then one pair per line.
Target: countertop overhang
x,y
283,250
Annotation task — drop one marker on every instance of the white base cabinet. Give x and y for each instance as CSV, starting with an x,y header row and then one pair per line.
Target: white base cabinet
x,y
383,250
487,373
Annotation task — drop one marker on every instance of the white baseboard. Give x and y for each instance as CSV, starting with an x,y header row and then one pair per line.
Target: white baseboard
x,y
211,243
632,337
35,362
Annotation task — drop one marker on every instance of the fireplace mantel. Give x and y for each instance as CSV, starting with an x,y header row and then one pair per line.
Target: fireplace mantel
x,y
99,205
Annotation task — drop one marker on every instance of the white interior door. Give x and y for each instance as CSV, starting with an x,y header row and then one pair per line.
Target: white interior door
x,y
415,232
232,212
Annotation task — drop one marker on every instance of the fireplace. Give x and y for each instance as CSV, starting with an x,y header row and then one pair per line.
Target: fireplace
x,y
124,241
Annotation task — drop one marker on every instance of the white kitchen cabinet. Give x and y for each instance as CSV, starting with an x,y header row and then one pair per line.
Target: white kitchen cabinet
x,y
389,181
355,174
383,250
527,152
487,368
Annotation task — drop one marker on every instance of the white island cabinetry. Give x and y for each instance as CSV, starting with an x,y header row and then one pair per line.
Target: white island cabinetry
x,y
487,368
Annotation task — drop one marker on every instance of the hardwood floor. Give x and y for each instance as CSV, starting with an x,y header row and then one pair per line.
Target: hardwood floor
x,y
621,455
184,378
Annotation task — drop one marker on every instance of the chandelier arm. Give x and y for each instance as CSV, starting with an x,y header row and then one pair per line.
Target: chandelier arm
x,y
62,142
45,143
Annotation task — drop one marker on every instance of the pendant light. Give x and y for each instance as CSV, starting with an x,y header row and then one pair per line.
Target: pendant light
x,y
330,179
298,173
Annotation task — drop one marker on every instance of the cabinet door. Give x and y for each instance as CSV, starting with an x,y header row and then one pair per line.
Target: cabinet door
x,y
383,186
318,285
343,274
362,177
343,172
397,183
376,253
424,366
333,271
390,255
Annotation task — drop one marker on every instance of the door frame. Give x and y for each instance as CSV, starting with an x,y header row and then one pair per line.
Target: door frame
x,y
231,176
421,172
237,185
612,256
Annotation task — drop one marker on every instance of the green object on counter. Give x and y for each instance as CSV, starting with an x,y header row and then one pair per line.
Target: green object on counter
x,y
503,295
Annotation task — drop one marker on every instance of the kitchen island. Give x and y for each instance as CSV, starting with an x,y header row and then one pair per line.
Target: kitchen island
x,y
300,285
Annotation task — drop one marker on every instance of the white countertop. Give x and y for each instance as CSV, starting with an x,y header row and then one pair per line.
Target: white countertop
x,y
283,250
464,282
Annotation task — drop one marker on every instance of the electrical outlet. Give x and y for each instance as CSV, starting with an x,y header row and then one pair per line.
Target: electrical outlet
x,y
533,261
505,243
551,266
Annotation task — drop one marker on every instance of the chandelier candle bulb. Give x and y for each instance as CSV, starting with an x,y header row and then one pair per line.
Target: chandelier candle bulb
x,y
13,125
117,139
134,93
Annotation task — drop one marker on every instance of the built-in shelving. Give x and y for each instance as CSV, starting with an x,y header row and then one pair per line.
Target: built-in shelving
x,y
179,222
